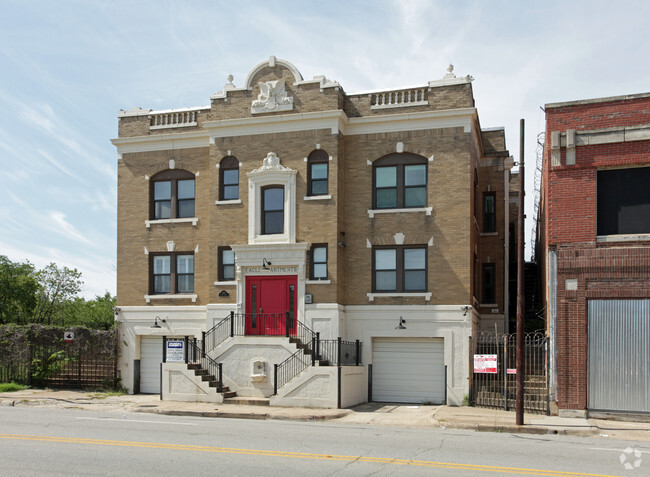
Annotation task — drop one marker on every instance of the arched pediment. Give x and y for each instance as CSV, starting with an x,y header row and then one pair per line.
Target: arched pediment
x,y
272,62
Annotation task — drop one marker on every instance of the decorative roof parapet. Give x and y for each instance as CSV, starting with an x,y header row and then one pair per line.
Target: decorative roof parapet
x,y
450,79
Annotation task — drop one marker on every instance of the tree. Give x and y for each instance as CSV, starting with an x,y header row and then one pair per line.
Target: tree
x,y
18,288
58,285
96,314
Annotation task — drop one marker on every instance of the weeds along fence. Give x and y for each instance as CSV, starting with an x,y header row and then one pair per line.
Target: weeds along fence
x,y
39,356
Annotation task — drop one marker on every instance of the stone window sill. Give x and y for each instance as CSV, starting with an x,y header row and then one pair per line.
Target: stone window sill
x,y
426,295
318,197
170,296
318,282
623,238
373,212
228,202
225,284
192,220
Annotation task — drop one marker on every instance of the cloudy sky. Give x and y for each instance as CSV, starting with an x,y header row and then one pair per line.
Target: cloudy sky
x,y
68,67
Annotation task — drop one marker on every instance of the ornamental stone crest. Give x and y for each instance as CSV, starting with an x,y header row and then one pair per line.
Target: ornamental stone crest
x,y
271,163
272,98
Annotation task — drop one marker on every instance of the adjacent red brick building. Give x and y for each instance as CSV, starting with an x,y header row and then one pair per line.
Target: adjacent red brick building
x,y
594,252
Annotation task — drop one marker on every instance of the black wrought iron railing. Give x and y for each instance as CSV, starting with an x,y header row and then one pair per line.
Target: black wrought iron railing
x,y
196,355
289,369
257,324
339,353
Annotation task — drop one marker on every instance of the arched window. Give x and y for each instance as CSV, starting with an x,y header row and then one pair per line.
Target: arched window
x,y
317,173
172,194
229,178
400,181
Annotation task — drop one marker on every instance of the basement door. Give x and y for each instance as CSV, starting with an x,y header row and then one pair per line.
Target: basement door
x,y
268,299
151,353
409,370
619,356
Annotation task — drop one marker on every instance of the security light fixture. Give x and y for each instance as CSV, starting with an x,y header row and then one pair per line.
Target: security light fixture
x,y
400,324
265,264
155,322
465,309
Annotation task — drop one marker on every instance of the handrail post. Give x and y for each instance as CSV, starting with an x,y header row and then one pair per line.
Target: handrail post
x,y
220,367
275,379
202,344
313,351
357,350
187,342
338,352
232,324
317,350
164,342
194,350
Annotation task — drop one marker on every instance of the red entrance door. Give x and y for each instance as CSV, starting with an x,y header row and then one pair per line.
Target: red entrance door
x,y
268,299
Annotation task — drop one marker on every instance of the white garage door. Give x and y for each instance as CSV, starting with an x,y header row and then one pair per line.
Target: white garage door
x,y
408,370
150,359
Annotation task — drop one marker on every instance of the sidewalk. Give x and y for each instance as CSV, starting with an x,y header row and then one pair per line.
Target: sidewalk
x,y
381,414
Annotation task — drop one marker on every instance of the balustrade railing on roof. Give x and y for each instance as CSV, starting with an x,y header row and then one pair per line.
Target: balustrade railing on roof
x,y
173,119
399,98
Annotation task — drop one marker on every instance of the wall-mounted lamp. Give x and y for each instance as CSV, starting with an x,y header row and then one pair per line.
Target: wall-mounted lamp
x,y
155,322
465,309
341,244
266,264
117,310
400,324
224,293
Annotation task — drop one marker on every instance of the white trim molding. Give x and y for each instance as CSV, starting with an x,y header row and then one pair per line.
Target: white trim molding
x,y
192,220
373,212
372,296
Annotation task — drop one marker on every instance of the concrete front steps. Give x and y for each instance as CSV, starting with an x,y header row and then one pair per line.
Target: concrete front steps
x,y
211,380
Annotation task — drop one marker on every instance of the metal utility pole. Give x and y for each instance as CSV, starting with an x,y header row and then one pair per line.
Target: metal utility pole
x,y
519,401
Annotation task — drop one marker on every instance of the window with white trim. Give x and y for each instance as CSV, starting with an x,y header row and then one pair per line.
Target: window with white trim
x,y
400,269
172,195
172,273
400,182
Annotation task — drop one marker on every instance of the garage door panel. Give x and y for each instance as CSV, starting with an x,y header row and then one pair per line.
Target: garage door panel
x,y
408,370
150,359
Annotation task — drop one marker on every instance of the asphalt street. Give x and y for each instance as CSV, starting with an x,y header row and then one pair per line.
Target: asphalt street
x,y
42,441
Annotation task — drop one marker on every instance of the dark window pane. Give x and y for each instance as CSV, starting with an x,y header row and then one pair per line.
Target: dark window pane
x,y
274,199
161,265
186,189
273,222
415,175
162,209
228,272
231,176
414,259
185,284
386,198
386,176
162,190
320,270
385,281
319,187
161,284
489,213
230,192
414,280
186,208
415,197
623,204
319,171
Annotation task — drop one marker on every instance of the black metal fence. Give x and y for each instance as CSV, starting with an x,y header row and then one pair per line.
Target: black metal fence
x,y
39,356
494,377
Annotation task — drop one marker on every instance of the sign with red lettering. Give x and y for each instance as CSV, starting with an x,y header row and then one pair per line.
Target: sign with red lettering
x,y
485,363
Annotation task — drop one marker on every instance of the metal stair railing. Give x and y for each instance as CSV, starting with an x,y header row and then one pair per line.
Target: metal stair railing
x,y
196,355
289,369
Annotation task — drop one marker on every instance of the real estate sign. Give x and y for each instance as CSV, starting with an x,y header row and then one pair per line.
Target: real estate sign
x,y
485,363
175,351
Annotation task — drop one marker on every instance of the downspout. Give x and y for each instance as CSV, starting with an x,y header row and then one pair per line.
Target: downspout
x,y
552,323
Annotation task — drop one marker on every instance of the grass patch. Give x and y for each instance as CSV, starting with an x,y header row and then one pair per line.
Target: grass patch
x,y
11,387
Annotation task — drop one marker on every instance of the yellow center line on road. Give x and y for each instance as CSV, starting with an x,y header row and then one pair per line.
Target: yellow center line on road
x,y
301,455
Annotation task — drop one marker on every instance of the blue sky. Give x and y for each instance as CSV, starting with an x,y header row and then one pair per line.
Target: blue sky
x,y
68,67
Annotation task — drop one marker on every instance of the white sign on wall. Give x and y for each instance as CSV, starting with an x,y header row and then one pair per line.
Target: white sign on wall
x,y
485,363
175,351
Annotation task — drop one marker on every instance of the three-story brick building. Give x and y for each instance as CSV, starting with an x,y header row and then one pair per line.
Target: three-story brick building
x,y
379,217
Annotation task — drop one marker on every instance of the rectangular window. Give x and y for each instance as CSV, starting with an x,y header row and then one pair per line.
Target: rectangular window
x,y
173,273
318,178
386,187
489,283
623,203
400,269
231,184
489,212
186,198
227,261
400,181
273,210
319,262
172,194
162,197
